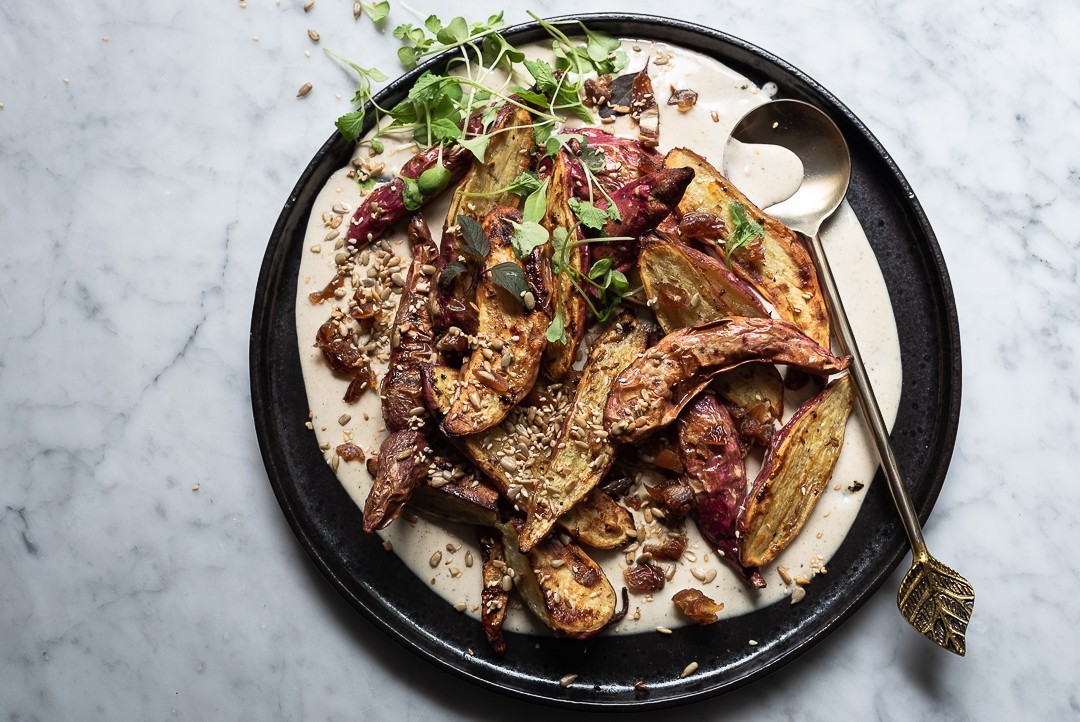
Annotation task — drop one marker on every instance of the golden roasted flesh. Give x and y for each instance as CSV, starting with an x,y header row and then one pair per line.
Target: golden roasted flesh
x,y
486,392
795,473
650,392
778,265
559,357
561,585
583,454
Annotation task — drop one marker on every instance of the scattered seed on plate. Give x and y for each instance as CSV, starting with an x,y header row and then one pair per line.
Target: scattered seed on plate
x,y
798,594
688,670
568,680
435,559
663,630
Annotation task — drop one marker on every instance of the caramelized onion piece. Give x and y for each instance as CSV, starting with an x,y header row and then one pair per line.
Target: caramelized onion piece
x,y
644,577
683,97
696,606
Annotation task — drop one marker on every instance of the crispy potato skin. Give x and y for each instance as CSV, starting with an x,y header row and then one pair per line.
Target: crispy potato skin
x,y
493,598
559,357
795,473
505,161
566,589
501,318
573,471
402,387
713,460
778,266
692,288
650,392
597,521
397,478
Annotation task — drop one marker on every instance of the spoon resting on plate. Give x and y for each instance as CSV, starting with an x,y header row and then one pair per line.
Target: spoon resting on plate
x,y
936,600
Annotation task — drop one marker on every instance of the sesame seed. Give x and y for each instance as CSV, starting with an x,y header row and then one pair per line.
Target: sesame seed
x,y
663,630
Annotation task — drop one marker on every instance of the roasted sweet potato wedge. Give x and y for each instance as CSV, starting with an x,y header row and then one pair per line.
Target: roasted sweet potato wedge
x,y
493,597
487,391
507,156
795,472
559,357
690,288
403,464
412,341
650,392
560,584
777,265
583,454
466,501
711,454
597,521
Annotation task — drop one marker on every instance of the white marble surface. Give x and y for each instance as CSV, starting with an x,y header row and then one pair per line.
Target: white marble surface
x,y
139,180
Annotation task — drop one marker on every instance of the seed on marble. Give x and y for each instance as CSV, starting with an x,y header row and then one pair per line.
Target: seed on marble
x,y
308,5
356,10
313,35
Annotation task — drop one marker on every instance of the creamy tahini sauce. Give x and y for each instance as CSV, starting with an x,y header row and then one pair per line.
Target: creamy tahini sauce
x,y
767,174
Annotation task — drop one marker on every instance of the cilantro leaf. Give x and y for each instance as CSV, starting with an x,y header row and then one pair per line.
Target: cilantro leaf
x,y
451,271
743,232
509,276
589,215
476,243
526,237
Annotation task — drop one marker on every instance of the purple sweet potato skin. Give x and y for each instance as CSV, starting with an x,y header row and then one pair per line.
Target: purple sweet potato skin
x,y
713,462
396,478
626,159
642,204
402,387
385,206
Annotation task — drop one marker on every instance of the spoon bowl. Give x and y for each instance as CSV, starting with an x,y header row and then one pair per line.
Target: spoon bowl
x,y
933,598
819,144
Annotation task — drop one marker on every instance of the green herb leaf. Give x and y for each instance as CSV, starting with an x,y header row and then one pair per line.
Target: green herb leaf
x,y
378,11
351,124
478,145
407,57
536,204
509,276
444,129
599,268
495,45
743,232
619,283
456,32
433,180
411,196
476,243
556,330
560,245
366,184
451,271
543,75
433,24
589,215
526,237
526,183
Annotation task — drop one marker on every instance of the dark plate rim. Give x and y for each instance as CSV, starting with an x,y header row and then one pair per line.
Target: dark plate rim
x,y
646,26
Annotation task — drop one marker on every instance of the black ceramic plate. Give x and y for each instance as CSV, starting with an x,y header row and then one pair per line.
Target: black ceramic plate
x,y
396,601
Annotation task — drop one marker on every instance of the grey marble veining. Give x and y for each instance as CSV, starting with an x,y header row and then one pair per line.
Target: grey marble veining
x,y
136,198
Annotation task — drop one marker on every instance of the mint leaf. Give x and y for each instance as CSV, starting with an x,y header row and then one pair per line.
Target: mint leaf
x,y
526,237
451,271
509,276
589,215
536,204
476,243
543,75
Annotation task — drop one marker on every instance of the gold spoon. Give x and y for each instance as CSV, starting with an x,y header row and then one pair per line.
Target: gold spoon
x,y
936,600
